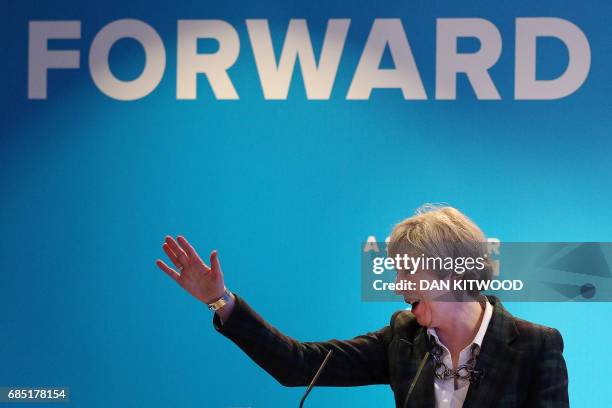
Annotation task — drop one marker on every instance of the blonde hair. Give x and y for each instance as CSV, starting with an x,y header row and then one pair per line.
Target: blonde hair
x,y
440,231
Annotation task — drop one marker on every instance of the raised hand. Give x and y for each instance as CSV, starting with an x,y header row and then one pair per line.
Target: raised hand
x,y
201,281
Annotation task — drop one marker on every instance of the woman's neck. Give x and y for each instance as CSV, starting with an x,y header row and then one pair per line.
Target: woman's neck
x,y
458,329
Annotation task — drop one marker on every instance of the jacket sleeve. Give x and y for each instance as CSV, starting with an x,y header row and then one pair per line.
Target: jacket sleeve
x,y
359,361
551,381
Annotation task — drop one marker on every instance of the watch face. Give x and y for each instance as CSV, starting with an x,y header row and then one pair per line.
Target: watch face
x,y
221,302
218,304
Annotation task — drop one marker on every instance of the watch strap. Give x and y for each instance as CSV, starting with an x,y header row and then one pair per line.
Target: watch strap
x,y
222,301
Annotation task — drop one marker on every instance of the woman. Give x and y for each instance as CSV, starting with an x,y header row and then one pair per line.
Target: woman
x,y
442,353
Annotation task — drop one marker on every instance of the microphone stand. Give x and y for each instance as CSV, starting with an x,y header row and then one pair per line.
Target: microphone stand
x,y
316,377
416,378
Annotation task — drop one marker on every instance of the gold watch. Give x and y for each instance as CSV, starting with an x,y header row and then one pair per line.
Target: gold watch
x,y
222,301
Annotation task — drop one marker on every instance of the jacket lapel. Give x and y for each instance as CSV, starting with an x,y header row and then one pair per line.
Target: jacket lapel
x,y
412,354
497,359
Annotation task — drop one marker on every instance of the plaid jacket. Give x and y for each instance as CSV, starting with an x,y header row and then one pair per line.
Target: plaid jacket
x,y
523,362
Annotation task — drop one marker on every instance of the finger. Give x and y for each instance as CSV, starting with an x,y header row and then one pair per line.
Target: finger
x,y
191,252
214,262
169,271
180,254
172,256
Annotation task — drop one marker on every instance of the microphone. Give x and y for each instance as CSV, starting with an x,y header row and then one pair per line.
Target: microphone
x,y
316,376
416,378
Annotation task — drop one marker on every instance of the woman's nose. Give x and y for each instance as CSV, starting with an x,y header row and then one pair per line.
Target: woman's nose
x,y
398,280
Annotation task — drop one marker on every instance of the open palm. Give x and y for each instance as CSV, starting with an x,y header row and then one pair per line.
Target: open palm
x,y
203,282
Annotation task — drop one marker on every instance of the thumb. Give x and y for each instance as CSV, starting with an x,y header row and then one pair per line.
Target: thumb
x,y
214,262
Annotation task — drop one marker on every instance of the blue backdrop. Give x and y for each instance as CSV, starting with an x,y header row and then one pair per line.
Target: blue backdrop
x,y
285,190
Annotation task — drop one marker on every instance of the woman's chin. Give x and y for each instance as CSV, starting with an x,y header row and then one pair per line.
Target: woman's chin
x,y
419,311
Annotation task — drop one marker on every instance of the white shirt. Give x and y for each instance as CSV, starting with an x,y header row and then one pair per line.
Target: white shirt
x,y
446,394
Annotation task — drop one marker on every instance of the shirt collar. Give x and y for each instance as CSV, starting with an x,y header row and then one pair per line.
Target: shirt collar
x,y
484,324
